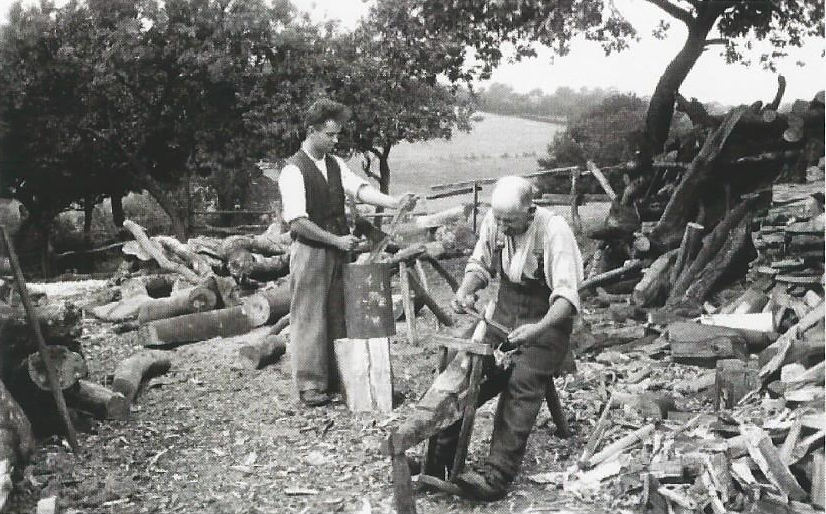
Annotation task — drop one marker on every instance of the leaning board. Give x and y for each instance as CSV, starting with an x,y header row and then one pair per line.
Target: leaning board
x,y
366,377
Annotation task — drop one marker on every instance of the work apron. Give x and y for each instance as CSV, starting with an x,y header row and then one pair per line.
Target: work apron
x,y
316,315
523,385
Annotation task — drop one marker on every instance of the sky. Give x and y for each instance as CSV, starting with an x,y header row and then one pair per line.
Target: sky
x,y
634,70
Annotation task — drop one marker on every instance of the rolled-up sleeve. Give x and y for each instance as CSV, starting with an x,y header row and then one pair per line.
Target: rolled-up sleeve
x,y
563,262
480,262
350,182
293,196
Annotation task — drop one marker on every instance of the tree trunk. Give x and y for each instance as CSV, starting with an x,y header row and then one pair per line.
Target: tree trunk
x,y
118,216
384,176
173,202
661,107
88,211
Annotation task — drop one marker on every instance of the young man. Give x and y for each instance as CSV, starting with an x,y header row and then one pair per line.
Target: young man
x,y
313,185
540,267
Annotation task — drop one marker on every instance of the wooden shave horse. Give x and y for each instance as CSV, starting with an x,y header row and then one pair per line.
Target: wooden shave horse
x,y
452,396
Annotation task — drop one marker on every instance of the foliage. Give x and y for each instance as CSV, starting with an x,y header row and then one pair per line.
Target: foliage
x,y
562,103
603,134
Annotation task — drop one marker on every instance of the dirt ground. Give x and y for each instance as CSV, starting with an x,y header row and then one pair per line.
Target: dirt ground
x,y
213,437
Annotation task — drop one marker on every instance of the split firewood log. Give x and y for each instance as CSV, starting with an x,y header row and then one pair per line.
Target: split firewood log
x,y
135,371
98,400
16,442
183,301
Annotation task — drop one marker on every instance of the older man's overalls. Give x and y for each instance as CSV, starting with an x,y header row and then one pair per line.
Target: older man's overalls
x,y
317,304
523,385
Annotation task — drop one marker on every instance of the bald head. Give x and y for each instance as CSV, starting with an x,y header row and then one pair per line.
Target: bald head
x,y
511,195
512,204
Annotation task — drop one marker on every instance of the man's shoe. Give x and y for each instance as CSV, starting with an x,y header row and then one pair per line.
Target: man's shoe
x,y
486,484
314,398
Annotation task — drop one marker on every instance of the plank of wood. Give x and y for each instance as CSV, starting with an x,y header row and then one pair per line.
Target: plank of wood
x,y
461,345
364,367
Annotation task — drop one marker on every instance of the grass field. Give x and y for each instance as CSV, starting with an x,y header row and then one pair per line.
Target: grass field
x,y
497,146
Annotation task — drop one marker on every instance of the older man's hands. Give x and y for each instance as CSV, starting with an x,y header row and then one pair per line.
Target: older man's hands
x,y
462,302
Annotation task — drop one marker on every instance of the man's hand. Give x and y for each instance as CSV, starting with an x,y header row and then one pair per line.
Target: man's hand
x,y
461,302
347,243
406,201
524,334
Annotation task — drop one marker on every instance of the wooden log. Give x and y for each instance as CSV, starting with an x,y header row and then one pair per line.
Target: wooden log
x,y
775,355
135,371
69,366
195,261
278,299
121,310
16,442
402,486
818,489
690,332
60,323
655,280
157,253
281,324
261,353
758,322
201,326
364,367
630,268
268,243
681,206
727,257
183,301
441,314
596,434
733,380
690,245
98,400
751,301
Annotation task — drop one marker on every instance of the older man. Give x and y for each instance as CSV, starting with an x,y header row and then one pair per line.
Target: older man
x,y
313,185
540,267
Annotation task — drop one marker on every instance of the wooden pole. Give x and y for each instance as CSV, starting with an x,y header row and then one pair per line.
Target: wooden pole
x,y
575,219
603,181
20,281
407,302
476,189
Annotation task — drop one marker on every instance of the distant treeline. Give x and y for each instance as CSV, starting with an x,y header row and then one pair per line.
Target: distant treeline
x,y
561,105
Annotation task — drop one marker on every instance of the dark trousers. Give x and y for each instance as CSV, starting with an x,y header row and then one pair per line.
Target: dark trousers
x,y
522,389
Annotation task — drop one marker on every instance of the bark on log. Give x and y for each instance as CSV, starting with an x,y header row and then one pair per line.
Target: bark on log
x,y
269,268
268,243
261,353
692,240
184,301
157,253
121,310
681,207
630,268
735,247
712,244
136,370
59,323
278,299
16,442
652,288
201,326
100,401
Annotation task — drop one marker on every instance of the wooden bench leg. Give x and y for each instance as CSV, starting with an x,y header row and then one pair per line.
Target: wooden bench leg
x,y
430,447
402,486
468,417
557,414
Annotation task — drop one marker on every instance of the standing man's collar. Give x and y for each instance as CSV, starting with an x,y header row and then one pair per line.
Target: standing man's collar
x,y
306,150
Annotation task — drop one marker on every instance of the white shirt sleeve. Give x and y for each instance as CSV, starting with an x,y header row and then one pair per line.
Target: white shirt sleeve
x,y
563,261
480,262
293,196
349,180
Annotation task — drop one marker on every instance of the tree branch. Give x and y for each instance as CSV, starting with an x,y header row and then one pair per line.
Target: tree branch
x,y
674,11
718,41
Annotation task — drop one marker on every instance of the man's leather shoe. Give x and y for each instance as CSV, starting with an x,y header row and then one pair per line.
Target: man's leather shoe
x,y
314,398
486,484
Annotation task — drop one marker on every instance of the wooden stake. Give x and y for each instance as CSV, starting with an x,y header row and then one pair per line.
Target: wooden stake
x,y
407,302
20,282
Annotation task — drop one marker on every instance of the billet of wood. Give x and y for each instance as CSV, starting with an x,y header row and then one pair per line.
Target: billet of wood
x,y
462,345
655,280
364,367
760,321
792,437
100,401
804,446
257,354
157,252
751,301
689,246
596,434
817,493
621,445
678,497
632,267
765,455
